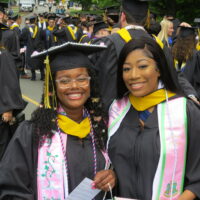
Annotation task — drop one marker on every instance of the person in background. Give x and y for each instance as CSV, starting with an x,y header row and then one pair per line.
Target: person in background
x,y
11,102
133,18
64,142
165,34
100,29
187,58
34,40
154,151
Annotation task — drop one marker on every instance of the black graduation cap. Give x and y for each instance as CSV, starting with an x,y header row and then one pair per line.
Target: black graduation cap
x,y
41,14
3,6
113,13
67,19
186,31
69,55
137,8
14,17
112,10
99,25
51,17
32,19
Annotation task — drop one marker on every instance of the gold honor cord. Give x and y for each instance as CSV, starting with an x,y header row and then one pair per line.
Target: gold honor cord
x,y
147,23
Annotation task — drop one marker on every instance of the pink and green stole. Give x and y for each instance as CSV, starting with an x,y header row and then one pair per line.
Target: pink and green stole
x,y
52,182
169,178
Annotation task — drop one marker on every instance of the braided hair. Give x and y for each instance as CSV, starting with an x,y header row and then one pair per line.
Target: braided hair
x,y
44,120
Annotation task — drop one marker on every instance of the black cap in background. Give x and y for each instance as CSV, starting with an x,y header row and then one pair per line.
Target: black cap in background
x,y
69,55
186,31
32,19
99,25
138,8
3,6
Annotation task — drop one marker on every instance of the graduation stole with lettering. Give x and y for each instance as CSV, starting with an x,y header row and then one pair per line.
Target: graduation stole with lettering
x,y
172,118
52,180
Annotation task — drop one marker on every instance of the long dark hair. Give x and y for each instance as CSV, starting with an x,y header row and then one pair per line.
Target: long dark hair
x,y
168,74
44,120
184,48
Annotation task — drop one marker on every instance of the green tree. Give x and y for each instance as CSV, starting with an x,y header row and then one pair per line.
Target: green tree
x,y
185,10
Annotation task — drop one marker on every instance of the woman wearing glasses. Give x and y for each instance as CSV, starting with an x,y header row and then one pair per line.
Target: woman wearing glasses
x,y
64,141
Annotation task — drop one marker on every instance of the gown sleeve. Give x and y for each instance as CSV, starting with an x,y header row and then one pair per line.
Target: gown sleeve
x,y
192,176
17,166
11,97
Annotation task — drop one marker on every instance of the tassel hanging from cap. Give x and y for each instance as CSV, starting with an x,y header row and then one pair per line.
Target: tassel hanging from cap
x,y
147,23
47,93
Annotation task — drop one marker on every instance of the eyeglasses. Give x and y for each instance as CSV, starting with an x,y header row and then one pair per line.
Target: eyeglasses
x,y
67,82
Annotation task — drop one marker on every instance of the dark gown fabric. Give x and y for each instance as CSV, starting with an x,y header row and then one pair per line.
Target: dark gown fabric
x,y
18,167
192,71
106,61
10,98
135,151
10,41
33,44
63,35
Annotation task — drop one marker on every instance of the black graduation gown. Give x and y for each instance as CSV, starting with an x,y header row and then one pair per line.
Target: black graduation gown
x,y
192,71
19,164
17,32
134,153
63,35
11,43
10,98
106,63
33,44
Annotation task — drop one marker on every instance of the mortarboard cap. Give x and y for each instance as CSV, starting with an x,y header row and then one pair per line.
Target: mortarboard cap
x,y
186,31
112,10
3,6
41,14
51,17
32,19
138,8
99,25
69,55
14,17
113,13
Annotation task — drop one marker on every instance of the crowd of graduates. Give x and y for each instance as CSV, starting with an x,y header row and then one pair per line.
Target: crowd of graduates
x,y
112,85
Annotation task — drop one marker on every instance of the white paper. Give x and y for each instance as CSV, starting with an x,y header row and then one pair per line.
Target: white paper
x,y
83,191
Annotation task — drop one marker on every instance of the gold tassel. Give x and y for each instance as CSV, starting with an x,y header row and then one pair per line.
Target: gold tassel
x,y
147,23
46,85
47,94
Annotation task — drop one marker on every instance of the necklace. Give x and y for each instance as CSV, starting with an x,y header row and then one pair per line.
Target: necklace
x,y
93,146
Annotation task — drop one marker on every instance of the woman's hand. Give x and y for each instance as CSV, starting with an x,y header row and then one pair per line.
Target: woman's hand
x,y
104,180
187,195
7,116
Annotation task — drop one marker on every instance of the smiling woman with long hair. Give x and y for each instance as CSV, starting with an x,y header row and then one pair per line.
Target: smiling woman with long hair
x,y
64,141
153,132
